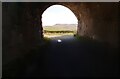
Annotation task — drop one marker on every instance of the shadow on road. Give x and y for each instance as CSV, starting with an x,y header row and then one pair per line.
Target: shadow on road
x,y
71,57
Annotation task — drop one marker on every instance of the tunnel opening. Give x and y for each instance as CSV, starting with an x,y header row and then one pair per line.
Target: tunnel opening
x,y
59,21
26,55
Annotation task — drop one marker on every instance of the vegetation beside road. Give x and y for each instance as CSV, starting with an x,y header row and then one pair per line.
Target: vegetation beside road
x,y
59,30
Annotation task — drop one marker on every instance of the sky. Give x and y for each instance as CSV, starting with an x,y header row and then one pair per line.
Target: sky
x,y
58,14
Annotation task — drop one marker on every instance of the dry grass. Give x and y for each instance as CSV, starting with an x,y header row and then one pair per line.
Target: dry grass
x,y
50,35
59,30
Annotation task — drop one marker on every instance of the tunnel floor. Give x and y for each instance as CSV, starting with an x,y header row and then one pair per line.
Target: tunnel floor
x,y
71,57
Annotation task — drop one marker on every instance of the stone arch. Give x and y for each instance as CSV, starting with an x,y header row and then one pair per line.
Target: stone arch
x,y
65,6
70,6
35,11
90,19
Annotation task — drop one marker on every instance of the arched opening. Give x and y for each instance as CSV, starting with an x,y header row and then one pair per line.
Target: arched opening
x,y
59,21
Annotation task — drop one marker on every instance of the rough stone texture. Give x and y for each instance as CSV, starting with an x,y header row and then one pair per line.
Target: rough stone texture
x,y
11,31
100,21
22,25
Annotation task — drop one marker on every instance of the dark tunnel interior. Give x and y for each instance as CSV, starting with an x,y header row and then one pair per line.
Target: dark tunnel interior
x,y
92,53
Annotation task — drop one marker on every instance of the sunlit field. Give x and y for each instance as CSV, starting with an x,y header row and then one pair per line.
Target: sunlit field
x,y
50,35
59,30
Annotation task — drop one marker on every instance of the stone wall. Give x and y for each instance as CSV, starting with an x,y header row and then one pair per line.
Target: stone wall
x,y
21,30
22,25
100,21
11,31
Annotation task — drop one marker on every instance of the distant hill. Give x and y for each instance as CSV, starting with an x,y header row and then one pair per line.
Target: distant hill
x,y
61,27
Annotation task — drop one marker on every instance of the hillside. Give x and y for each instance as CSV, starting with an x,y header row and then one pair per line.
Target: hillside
x,y
61,27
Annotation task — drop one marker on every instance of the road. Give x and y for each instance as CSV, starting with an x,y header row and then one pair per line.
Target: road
x,y
72,58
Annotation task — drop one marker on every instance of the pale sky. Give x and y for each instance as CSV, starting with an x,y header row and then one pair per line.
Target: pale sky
x,y
58,14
